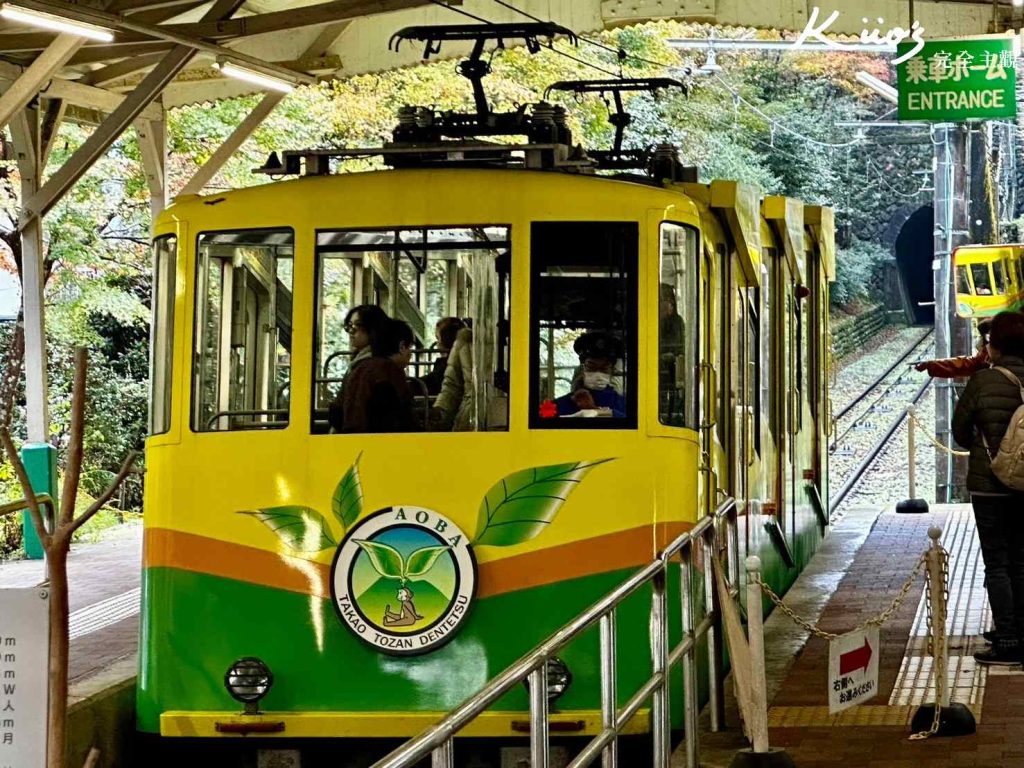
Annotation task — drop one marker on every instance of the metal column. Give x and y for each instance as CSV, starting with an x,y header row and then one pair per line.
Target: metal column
x,y
952,181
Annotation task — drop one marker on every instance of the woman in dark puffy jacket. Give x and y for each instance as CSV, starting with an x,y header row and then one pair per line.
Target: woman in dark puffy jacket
x,y
979,423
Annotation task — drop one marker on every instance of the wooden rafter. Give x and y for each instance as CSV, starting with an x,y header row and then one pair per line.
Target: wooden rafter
x,y
276,21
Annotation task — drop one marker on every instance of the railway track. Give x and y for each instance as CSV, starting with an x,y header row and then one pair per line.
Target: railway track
x,y
870,429
883,376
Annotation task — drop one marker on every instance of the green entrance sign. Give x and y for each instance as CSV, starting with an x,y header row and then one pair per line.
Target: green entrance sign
x,y
952,80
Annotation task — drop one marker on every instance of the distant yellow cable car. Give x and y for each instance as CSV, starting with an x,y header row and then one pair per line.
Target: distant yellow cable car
x,y
989,279
642,346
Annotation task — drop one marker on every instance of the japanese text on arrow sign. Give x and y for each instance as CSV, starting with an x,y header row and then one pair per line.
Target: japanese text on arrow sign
x,y
852,669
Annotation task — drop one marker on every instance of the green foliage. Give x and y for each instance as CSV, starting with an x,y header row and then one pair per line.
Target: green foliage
x,y
856,271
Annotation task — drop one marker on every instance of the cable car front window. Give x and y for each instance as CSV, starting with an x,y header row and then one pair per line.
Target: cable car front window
x,y
962,284
242,368
421,276
161,346
982,279
583,295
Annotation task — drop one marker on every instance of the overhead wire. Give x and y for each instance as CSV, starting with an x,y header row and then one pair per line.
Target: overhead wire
x,y
567,55
782,126
619,52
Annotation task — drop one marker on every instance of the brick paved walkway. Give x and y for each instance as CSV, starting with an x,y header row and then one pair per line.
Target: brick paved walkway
x,y
885,550
98,572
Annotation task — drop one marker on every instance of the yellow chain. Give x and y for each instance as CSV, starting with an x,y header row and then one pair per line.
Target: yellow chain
x,y
932,622
877,621
928,433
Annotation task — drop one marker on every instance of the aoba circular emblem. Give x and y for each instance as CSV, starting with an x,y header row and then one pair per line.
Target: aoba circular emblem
x,y
403,580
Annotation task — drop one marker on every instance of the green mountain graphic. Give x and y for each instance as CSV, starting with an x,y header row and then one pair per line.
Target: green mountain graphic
x,y
429,601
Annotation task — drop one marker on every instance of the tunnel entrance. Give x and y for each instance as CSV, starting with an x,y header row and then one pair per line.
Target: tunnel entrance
x,y
915,251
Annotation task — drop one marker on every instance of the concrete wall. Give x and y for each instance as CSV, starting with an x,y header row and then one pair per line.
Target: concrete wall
x,y
101,713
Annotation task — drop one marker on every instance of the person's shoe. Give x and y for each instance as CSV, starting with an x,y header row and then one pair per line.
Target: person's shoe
x,y
1004,657
990,635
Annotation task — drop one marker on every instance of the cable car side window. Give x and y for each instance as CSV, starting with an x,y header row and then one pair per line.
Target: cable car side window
x,y
449,288
161,339
677,337
243,330
997,270
583,325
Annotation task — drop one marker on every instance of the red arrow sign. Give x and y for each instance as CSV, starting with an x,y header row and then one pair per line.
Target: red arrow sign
x,y
859,658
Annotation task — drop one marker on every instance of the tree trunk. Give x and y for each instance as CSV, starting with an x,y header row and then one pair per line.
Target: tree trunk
x,y
57,567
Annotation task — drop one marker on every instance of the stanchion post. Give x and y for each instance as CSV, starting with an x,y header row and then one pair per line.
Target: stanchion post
x,y
761,755
951,719
912,503
911,453
755,637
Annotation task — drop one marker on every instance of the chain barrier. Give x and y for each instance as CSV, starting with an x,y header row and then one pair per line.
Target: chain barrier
x,y
928,433
936,624
874,621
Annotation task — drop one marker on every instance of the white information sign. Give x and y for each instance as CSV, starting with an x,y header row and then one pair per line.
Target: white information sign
x,y
24,644
852,669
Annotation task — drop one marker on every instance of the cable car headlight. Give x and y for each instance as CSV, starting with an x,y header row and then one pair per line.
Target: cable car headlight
x,y
559,679
248,680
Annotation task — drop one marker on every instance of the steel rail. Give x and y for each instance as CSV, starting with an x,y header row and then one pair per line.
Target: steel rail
x,y
863,467
437,741
874,385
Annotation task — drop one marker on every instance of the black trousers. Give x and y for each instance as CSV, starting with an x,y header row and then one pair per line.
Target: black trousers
x,y
1000,522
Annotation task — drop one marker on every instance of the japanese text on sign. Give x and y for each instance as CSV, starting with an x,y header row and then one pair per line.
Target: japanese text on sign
x,y
24,639
852,669
958,80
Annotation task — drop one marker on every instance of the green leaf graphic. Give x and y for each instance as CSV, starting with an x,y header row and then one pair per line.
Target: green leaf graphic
x,y
422,560
518,507
387,561
300,528
347,501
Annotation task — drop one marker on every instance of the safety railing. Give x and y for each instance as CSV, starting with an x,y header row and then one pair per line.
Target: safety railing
x,y
438,740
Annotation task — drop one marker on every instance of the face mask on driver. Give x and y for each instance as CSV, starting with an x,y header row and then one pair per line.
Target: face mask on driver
x,y
596,380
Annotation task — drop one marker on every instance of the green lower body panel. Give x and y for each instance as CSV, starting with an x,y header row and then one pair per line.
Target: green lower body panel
x,y
194,626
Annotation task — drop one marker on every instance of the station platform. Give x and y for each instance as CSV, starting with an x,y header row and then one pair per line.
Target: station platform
x,y
859,569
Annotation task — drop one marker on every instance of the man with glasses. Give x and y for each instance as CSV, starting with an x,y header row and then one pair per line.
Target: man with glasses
x,y
964,366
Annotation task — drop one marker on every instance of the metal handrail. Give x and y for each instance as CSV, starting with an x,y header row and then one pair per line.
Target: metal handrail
x,y
438,739
42,499
257,412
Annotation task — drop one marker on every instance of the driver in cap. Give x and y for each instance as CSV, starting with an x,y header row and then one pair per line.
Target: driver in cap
x,y
593,389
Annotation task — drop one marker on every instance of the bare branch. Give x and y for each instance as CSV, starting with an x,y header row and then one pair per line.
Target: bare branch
x,y
26,488
73,467
103,498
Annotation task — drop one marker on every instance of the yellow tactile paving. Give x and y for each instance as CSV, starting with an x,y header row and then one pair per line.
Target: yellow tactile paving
x,y
864,715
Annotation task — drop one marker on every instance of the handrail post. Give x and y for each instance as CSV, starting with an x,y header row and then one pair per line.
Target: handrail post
x,y
443,756
609,688
716,663
659,663
539,717
690,702
755,630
